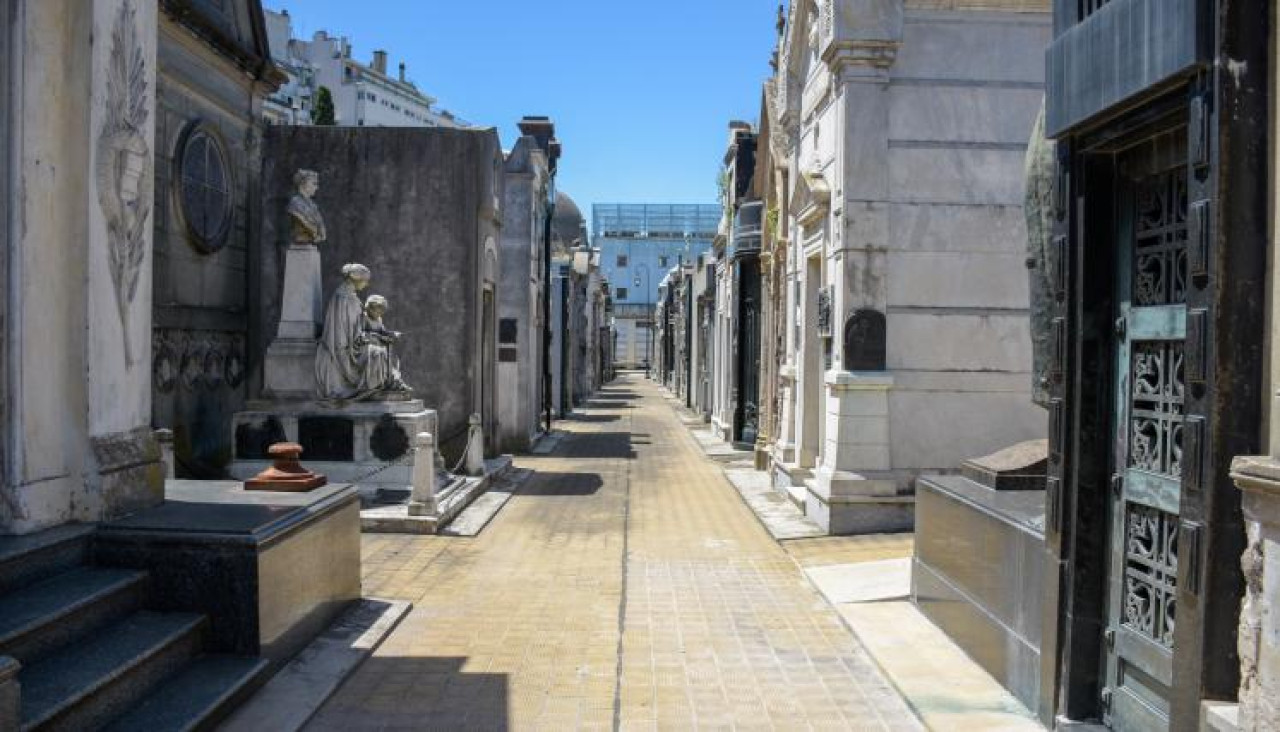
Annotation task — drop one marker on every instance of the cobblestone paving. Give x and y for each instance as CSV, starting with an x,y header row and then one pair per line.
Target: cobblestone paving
x,y
625,587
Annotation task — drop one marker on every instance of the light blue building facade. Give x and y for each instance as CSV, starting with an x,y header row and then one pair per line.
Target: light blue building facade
x,y
639,244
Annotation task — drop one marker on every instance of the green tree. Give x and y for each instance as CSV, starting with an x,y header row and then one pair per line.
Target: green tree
x,y
322,112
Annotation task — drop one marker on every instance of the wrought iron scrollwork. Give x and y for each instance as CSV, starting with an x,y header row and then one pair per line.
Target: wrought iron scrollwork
x,y
1160,240
1151,572
1156,408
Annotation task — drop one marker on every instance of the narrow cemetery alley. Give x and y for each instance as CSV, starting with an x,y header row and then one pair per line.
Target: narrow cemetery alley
x,y
626,585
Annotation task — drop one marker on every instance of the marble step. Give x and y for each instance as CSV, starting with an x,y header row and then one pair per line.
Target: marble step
x,y
89,683
197,697
30,558
43,617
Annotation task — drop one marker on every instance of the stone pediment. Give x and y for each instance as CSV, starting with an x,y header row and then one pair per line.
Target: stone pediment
x,y
812,198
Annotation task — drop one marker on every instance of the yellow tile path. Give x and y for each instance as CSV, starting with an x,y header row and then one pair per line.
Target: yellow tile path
x,y
625,587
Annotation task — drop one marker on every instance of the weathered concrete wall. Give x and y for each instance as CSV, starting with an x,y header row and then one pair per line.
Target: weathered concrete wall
x,y
416,206
962,99
78,268
519,292
202,293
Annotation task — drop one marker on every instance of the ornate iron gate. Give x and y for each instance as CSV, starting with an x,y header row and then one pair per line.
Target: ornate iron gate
x,y
1147,464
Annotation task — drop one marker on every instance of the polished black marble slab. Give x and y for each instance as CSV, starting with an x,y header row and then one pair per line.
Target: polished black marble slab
x,y
978,574
269,569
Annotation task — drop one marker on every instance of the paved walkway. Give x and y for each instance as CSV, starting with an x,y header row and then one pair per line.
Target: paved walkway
x,y
625,587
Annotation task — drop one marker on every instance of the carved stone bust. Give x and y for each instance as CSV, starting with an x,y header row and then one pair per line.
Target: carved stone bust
x,y
306,223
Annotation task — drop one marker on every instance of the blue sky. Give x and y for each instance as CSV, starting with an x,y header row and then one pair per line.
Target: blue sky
x,y
641,92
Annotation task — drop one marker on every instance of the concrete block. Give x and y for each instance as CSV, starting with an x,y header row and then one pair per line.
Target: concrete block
x,y
962,341
859,518
844,456
859,404
946,113
842,486
956,175
959,279
940,227
866,224
924,436
1008,48
857,430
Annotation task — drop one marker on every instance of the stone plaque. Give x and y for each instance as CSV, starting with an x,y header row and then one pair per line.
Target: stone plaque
x,y
507,330
864,341
327,438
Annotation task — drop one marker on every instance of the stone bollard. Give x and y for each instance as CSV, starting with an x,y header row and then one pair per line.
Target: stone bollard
x,y
164,437
9,698
475,447
422,501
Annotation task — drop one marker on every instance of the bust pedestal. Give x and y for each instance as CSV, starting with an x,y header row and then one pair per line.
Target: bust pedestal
x,y
289,370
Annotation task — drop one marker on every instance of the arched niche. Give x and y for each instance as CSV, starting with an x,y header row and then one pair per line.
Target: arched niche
x,y
864,341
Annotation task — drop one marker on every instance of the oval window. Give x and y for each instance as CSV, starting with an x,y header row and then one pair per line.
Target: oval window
x,y
204,191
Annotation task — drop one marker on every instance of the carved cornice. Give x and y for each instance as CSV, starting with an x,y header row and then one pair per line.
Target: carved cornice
x,y
815,201
873,54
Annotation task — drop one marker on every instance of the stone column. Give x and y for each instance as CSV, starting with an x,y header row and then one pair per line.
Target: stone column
x,y
128,473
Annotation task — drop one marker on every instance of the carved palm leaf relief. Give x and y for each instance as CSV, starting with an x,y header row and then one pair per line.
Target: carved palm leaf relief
x,y
124,164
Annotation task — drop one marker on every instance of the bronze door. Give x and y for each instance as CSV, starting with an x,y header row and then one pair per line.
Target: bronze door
x,y
1147,463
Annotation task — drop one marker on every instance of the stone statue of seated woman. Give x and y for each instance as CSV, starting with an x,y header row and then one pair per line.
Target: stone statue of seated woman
x,y
354,361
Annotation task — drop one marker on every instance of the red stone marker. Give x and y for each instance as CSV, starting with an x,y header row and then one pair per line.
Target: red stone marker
x,y
287,474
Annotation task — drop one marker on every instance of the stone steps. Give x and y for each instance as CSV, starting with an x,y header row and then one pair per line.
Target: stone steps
x,y
27,559
49,614
197,698
88,684
91,655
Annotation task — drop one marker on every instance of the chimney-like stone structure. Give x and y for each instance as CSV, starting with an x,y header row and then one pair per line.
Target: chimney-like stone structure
x,y
380,62
542,129
402,79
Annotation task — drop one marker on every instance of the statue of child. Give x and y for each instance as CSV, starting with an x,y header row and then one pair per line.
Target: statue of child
x,y
378,337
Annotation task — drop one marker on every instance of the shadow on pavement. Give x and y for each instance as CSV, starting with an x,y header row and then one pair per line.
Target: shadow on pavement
x,y
607,404
593,418
596,445
563,484
435,694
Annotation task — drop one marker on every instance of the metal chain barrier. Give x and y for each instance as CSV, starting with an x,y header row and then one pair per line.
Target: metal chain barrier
x,y
404,459
407,458
471,435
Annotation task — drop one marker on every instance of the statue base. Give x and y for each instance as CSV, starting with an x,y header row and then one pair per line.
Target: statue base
x,y
368,444
302,307
289,371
